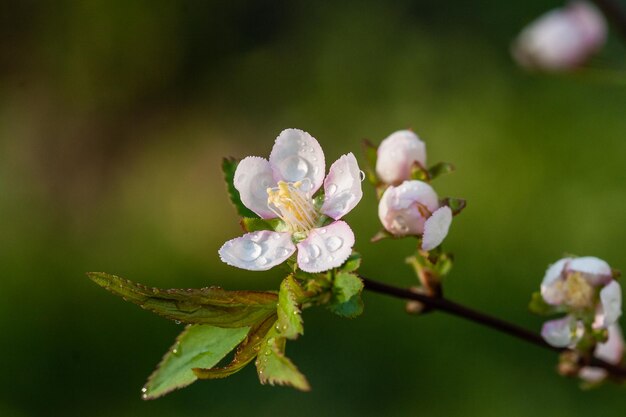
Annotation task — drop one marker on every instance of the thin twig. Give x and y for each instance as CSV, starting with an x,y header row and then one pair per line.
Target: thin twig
x,y
495,323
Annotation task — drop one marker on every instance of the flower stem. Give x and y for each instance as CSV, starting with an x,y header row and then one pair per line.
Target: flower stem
x,y
450,307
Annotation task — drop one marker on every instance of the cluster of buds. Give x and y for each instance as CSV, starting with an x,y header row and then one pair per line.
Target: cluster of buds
x,y
586,290
562,39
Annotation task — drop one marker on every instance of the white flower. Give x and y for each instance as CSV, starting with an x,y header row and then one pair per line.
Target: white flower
x,y
412,208
612,351
565,332
397,154
283,187
561,39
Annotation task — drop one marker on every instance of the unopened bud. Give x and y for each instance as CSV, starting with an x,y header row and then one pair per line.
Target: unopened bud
x,y
397,154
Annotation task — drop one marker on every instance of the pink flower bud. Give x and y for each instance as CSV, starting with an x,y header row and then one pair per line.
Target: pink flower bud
x,y
397,154
561,39
412,208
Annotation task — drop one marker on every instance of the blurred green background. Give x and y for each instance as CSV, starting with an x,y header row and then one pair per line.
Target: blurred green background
x,y
114,116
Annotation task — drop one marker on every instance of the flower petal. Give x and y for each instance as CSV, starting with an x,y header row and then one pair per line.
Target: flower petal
x,y
252,179
436,228
549,291
611,351
296,155
342,187
326,247
258,251
401,208
562,332
611,302
396,155
595,270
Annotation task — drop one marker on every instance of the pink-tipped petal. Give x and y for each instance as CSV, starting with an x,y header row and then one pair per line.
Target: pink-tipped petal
x,y
326,247
252,179
436,228
562,332
401,208
595,270
342,187
611,302
258,251
612,351
297,156
396,155
550,292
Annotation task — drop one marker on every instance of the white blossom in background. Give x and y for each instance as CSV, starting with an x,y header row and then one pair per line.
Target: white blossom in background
x,y
562,39
396,155
283,187
577,285
611,351
412,208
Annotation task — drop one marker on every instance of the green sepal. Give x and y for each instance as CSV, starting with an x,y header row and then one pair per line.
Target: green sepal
x,y
197,346
289,313
274,368
539,306
381,235
245,353
212,305
229,166
255,224
456,204
352,264
439,169
346,295
418,172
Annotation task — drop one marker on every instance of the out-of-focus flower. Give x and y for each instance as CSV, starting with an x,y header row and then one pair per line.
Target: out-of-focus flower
x,y
611,351
580,286
283,187
397,154
561,39
412,208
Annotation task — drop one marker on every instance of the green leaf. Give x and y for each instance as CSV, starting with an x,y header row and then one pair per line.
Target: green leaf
x,y
350,309
539,306
273,367
197,346
212,305
456,204
229,166
253,224
245,353
346,286
352,263
289,313
440,169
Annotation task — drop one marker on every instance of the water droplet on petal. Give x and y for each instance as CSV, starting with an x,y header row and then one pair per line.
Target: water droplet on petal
x,y
399,224
362,175
294,168
305,260
282,252
247,250
333,243
261,261
314,251
322,231
332,189
330,258
276,236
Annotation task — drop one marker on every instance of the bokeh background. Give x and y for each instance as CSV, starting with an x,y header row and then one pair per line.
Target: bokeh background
x,y
114,116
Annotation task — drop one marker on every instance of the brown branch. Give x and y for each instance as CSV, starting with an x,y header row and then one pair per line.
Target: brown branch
x,y
495,323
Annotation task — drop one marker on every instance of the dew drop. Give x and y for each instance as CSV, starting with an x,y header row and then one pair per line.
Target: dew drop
x,y
276,236
144,390
247,250
144,396
282,252
330,258
332,189
362,175
294,168
305,260
322,231
334,243
284,327
261,261
177,321
314,251
400,225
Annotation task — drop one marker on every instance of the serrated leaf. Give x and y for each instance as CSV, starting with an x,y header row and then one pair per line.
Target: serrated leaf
x,y
353,263
229,166
289,313
456,204
245,353
253,224
346,286
539,306
439,169
274,368
212,305
197,346
350,309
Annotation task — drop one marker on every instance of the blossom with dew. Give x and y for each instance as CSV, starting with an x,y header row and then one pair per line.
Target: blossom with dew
x,y
397,154
413,208
283,187
561,39
579,285
611,351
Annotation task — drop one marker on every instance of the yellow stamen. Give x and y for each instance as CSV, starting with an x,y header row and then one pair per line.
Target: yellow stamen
x,y
293,206
577,292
